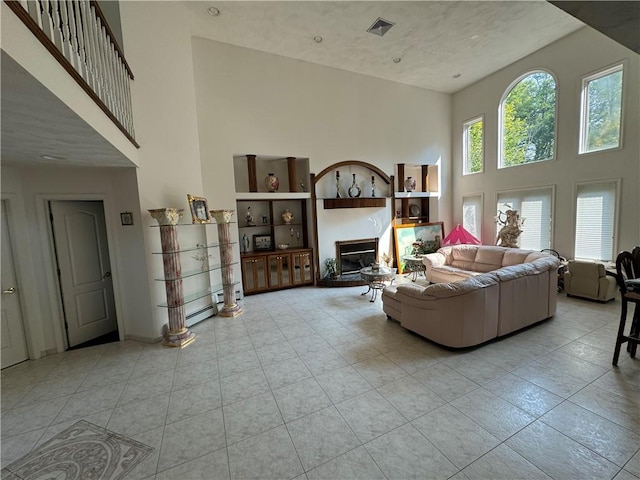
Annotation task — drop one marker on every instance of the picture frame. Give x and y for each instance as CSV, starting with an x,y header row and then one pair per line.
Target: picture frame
x,y
262,242
126,218
199,209
408,233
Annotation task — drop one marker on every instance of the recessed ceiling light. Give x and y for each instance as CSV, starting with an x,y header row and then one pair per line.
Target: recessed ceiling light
x,y
53,157
456,75
380,26
397,60
213,11
317,39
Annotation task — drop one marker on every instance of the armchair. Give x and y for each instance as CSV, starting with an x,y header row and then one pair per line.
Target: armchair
x,y
589,279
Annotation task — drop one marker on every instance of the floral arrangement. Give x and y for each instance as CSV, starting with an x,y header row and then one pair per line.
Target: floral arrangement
x,y
419,247
331,266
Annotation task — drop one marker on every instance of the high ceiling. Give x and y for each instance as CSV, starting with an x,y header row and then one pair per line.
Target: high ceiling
x,y
434,40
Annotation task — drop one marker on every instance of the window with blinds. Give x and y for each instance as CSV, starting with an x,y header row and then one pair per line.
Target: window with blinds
x,y
595,220
535,206
472,215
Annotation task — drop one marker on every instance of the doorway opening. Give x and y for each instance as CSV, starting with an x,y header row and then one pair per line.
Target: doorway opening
x,y
83,270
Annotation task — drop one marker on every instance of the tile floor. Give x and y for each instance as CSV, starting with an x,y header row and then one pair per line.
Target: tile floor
x,y
316,383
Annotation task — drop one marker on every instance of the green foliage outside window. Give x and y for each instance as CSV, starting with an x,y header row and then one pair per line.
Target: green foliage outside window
x,y
474,147
529,112
604,106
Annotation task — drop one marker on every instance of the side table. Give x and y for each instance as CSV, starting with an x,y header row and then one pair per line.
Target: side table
x,y
414,266
376,279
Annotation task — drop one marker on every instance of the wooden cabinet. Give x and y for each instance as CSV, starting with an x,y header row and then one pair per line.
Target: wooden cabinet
x,y
254,274
413,207
276,270
301,268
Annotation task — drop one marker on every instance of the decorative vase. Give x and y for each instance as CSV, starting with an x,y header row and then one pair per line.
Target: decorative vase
x,y
410,184
354,189
167,216
222,216
373,186
338,184
287,217
272,183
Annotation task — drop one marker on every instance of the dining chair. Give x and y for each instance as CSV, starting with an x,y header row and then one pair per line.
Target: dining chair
x,y
628,278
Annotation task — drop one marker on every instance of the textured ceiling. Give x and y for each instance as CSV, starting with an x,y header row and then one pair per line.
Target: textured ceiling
x,y
35,122
434,39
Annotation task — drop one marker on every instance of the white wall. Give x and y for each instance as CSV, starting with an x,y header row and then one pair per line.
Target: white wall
x,y
569,59
158,45
30,189
254,102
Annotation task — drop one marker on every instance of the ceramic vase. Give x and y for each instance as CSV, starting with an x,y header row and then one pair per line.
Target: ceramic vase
x,y
410,184
167,216
272,183
287,217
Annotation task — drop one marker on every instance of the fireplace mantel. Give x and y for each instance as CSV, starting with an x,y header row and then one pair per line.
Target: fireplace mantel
x,y
354,202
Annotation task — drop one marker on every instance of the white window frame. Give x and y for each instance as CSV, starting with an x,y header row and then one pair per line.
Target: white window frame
x,y
584,104
465,145
501,120
478,200
521,192
616,182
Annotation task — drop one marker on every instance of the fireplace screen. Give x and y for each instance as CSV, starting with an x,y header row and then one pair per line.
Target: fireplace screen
x,y
352,255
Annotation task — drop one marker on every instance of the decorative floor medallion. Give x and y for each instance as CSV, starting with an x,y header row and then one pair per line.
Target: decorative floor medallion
x,y
83,451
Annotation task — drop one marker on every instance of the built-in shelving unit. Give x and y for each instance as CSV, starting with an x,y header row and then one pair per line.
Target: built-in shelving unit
x,y
287,261
413,206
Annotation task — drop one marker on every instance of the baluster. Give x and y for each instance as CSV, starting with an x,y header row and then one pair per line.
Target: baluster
x,y
127,92
76,44
88,56
45,19
56,24
67,46
94,51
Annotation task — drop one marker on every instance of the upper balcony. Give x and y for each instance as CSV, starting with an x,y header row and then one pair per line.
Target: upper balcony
x,y
78,36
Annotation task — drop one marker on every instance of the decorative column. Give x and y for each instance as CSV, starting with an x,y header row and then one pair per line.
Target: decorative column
x,y
177,335
223,219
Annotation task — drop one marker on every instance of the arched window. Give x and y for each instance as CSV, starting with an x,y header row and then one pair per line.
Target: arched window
x,y
528,120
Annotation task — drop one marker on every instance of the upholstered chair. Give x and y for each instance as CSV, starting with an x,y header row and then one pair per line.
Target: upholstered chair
x,y
589,279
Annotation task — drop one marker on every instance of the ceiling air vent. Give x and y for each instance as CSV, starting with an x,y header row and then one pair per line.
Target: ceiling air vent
x,y
380,26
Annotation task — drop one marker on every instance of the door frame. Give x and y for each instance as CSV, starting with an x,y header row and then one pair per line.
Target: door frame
x,y
25,274
50,266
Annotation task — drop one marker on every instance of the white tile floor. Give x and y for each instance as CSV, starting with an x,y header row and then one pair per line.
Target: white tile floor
x,y
317,383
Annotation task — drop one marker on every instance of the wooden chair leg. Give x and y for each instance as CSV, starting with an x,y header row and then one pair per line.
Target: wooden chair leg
x,y
620,337
635,330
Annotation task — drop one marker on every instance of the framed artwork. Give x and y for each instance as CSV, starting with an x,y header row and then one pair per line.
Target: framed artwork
x,y
126,218
417,238
199,209
262,242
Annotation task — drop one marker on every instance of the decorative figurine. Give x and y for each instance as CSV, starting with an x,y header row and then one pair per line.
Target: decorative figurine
x,y
354,189
510,231
338,184
249,217
373,186
245,243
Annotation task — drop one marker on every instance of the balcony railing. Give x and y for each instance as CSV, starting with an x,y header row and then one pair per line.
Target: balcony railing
x,y
76,33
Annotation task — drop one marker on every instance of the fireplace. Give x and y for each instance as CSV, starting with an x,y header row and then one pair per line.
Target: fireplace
x,y
352,255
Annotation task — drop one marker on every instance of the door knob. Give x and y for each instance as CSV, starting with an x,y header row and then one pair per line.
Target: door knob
x,y
108,274
10,291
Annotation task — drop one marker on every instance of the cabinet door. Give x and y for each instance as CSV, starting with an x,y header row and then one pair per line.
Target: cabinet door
x,y
254,274
302,271
279,270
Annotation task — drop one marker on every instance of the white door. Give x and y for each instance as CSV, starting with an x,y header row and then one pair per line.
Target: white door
x,y
84,269
14,345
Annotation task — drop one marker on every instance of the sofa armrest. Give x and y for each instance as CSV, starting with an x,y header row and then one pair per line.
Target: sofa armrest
x,y
431,260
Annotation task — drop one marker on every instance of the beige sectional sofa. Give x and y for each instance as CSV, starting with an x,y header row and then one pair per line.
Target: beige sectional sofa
x,y
479,293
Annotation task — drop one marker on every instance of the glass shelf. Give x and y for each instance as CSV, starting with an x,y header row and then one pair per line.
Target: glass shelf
x,y
212,222
200,294
191,273
191,249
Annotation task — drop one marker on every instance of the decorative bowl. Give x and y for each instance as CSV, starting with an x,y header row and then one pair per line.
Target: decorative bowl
x,y
283,246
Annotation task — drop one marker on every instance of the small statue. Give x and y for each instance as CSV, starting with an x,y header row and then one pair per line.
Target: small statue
x,y
510,231
249,217
245,243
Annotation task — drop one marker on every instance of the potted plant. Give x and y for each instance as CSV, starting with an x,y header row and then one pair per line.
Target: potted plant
x,y
331,267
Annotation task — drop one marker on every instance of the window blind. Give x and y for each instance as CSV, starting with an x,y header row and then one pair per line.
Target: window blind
x,y
472,215
595,220
535,206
